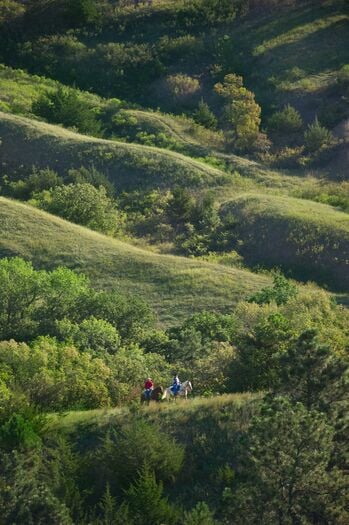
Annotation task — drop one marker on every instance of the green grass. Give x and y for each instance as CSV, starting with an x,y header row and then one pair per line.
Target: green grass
x,y
310,239
175,287
27,142
299,49
181,410
18,91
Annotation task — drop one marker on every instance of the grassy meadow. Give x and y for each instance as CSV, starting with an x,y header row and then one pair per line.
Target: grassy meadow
x,y
175,287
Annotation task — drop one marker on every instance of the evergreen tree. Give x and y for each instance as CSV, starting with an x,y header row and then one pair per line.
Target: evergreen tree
x,y
312,374
317,136
287,468
199,515
204,116
146,501
64,106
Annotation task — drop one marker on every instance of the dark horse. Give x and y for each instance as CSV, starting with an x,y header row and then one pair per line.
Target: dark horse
x,y
156,395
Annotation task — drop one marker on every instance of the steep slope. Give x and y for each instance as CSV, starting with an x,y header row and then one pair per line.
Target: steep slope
x,y
26,142
308,238
174,286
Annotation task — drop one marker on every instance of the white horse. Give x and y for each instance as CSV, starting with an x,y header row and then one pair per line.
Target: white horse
x,y
183,391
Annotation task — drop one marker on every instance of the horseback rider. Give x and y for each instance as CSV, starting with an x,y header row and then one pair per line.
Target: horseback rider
x,y
148,388
176,385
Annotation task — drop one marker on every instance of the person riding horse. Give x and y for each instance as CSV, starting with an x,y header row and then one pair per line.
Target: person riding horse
x,y
148,388
176,385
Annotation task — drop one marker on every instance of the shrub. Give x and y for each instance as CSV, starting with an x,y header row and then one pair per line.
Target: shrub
x,y
204,116
317,136
281,291
181,89
285,121
91,334
83,204
82,12
64,106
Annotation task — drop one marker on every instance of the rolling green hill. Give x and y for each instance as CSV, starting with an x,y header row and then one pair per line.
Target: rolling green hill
x,y
18,90
27,142
309,238
174,286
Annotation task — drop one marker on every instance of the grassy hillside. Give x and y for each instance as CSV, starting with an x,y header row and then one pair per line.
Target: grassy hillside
x,y
26,142
208,429
18,91
290,53
174,286
309,238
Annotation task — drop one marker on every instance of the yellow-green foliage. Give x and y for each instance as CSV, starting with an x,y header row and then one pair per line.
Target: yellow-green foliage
x,y
174,286
18,90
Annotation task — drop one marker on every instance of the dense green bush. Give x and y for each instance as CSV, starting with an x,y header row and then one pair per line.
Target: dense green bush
x,y
317,136
64,106
204,116
83,204
288,446
287,120
32,301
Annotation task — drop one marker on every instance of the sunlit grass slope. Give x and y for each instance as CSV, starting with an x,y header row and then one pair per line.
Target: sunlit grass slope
x,y
181,411
28,142
174,286
294,55
309,238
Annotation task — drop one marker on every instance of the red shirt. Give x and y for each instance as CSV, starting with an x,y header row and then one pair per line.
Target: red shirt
x,y
148,384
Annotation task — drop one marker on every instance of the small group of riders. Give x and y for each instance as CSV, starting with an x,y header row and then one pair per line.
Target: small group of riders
x,y
149,386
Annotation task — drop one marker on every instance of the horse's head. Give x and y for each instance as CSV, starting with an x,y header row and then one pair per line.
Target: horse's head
x,y
188,386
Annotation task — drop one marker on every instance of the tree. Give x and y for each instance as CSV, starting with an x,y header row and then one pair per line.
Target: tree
x,y
199,515
21,288
281,291
63,296
204,116
181,89
286,120
82,12
312,374
91,334
146,501
26,495
287,466
129,314
317,136
83,204
64,106
180,207
257,365
241,112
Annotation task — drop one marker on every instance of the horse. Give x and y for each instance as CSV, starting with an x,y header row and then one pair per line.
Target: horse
x,y
183,391
156,395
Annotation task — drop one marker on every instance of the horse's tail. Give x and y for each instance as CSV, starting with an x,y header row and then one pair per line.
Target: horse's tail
x,y
164,395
